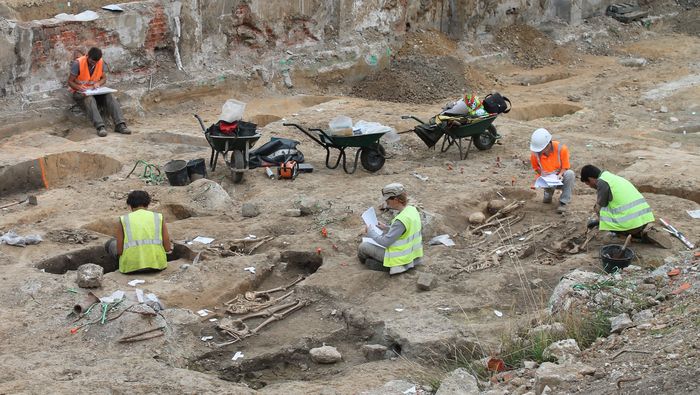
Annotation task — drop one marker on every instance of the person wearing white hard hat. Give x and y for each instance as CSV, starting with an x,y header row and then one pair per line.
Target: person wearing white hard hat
x,y
398,247
552,157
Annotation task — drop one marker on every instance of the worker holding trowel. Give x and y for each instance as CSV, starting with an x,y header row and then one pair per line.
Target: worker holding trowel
x,y
398,247
142,237
550,160
88,73
621,208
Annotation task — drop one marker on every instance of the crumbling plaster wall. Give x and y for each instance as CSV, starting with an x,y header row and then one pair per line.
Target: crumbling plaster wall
x,y
251,38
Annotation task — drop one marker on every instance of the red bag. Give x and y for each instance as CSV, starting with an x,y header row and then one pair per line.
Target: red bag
x,y
228,128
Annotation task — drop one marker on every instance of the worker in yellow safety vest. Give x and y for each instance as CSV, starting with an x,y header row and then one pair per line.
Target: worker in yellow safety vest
x,y
88,73
398,247
620,208
142,237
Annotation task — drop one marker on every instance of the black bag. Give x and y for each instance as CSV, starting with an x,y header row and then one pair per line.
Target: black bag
x,y
494,103
242,129
275,152
430,134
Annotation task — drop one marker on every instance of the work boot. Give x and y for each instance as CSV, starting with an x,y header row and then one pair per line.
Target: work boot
x,y
562,208
122,128
101,131
654,235
373,264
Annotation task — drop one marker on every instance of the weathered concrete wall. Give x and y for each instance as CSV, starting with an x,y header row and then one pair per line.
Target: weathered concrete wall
x,y
263,38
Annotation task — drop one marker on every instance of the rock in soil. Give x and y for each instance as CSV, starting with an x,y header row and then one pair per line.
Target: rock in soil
x,y
325,354
90,275
477,218
459,382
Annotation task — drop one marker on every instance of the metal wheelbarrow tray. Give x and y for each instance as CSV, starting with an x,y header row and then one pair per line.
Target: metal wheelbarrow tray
x,y
370,152
238,146
480,131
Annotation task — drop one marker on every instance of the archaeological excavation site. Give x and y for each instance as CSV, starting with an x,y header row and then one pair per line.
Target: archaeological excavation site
x,y
349,197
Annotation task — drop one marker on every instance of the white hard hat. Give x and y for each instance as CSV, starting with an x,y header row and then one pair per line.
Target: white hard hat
x,y
540,138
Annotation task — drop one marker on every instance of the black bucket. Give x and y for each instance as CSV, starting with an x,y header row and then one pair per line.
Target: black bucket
x,y
196,169
611,264
176,171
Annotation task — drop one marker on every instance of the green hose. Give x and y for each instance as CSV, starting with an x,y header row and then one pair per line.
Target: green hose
x,y
151,173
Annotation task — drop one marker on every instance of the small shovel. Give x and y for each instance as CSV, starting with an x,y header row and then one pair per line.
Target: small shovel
x,y
31,199
621,254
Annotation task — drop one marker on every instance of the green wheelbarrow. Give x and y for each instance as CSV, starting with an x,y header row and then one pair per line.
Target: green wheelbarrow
x,y
370,152
453,129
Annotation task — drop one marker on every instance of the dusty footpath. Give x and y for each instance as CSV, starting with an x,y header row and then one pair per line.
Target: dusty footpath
x,y
627,102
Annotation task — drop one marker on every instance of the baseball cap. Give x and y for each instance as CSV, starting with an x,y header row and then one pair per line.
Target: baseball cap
x,y
392,190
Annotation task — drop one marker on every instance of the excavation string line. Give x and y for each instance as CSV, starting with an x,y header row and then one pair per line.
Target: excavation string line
x,y
151,173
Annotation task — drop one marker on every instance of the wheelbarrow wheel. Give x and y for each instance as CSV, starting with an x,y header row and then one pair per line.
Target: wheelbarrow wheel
x,y
486,139
238,164
373,157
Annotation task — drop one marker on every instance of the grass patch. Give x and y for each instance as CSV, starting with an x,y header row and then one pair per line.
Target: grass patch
x,y
527,346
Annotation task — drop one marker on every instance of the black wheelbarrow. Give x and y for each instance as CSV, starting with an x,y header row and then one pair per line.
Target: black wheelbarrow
x,y
370,152
453,129
238,147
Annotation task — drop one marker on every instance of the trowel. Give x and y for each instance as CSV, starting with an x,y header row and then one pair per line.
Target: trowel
x,y
31,199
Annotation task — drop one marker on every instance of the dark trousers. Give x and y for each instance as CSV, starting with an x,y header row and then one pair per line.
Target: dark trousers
x,y
92,104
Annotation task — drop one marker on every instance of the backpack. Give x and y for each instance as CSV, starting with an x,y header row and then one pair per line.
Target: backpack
x,y
494,103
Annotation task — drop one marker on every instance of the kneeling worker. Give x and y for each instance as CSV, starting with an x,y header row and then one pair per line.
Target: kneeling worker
x,y
400,248
621,208
142,237
548,156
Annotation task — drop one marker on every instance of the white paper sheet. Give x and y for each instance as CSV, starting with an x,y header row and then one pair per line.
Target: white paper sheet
x,y
203,240
694,213
548,181
442,239
98,91
370,218
371,241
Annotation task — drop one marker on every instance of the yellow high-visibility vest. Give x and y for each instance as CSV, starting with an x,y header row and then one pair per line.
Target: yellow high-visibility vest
x,y
627,210
143,242
409,245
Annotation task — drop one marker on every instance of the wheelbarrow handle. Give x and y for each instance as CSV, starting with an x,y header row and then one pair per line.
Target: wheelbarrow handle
x,y
322,132
201,123
411,117
306,132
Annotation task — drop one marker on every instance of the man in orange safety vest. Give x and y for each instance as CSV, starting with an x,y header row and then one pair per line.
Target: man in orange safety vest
x,y
89,72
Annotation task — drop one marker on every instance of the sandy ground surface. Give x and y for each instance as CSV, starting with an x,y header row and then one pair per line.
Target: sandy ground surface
x,y
640,122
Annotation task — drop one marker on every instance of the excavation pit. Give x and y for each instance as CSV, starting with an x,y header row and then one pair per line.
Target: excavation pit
x,y
543,110
55,171
61,264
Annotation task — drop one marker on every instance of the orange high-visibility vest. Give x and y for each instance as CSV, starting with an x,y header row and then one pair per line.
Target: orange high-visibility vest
x,y
84,78
557,160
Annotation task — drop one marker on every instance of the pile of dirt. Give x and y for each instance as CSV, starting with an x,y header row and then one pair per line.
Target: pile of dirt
x,y
427,43
416,79
531,48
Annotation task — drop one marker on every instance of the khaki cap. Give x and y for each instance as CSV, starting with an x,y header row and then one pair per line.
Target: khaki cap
x,y
392,190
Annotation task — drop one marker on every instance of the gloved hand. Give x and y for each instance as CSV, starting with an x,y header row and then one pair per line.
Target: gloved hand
x,y
592,223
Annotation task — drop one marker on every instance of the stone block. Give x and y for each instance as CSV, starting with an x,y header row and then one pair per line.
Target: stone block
x,y
90,275
374,352
426,281
292,212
